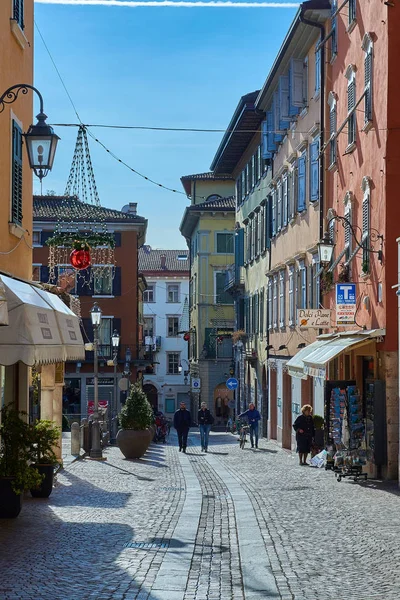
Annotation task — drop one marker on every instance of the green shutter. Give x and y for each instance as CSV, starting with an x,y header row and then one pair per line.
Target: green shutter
x,y
16,193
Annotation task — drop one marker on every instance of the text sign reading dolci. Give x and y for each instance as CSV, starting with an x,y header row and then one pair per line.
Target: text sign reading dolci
x,y
314,318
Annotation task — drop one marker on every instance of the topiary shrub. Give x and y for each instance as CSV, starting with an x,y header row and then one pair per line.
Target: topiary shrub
x,y
136,413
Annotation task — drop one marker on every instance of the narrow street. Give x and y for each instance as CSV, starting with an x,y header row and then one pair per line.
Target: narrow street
x,y
232,524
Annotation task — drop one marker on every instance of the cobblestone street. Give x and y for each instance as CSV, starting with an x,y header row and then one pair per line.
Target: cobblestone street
x,y
229,525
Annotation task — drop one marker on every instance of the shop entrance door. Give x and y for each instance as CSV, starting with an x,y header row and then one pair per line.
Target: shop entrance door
x,y
287,412
273,427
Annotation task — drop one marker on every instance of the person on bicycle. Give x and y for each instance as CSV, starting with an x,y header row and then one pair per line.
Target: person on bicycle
x,y
205,420
253,416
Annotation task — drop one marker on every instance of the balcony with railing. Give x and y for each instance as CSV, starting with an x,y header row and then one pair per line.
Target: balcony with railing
x,y
234,280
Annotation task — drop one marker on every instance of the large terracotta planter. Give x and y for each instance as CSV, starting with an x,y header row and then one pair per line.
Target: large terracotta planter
x,y
133,444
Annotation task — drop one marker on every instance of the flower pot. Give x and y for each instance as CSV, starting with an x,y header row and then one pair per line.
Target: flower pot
x,y
133,444
10,502
46,486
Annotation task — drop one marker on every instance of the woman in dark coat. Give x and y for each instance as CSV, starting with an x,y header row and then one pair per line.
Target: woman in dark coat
x,y
305,432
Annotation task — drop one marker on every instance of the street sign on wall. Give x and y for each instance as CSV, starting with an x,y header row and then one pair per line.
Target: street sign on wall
x,y
314,318
231,383
346,303
195,384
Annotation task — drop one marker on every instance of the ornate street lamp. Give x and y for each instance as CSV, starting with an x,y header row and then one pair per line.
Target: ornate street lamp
x,y
95,451
325,249
41,141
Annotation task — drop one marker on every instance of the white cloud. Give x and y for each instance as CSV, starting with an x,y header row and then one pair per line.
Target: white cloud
x,y
171,3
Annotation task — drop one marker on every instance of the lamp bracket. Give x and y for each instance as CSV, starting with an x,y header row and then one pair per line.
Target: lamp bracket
x,y
12,93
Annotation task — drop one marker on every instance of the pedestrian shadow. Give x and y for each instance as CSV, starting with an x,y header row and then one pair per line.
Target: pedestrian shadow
x,y
390,487
79,492
264,450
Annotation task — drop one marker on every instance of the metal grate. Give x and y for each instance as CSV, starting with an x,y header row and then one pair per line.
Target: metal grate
x,y
146,545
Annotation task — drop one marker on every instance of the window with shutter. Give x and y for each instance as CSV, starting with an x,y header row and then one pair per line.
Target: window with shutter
x,y
352,11
268,222
261,316
292,192
347,228
305,82
254,237
301,186
256,175
18,12
273,231
317,72
303,286
221,296
16,188
271,146
270,305
249,171
314,171
351,102
296,91
316,289
256,313
243,186
285,205
332,130
275,302
278,135
365,230
284,113
282,299
265,151
291,296
262,229
279,206
368,82
310,291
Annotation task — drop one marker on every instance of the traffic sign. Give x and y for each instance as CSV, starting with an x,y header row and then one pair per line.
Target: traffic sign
x,y
346,293
196,384
232,383
346,307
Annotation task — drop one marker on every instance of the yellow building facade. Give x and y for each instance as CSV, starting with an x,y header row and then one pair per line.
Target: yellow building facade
x,y
208,227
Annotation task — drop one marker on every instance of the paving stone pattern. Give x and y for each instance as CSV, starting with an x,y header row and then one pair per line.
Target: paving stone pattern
x,y
261,527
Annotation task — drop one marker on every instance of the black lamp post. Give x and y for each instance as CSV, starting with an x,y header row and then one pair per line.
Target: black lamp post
x,y
41,141
113,413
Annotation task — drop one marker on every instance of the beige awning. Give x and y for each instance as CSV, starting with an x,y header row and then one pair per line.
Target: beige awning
x,y
295,365
41,328
315,363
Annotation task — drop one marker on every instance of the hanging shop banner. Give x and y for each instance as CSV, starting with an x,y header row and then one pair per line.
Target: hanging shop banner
x,y
346,303
314,318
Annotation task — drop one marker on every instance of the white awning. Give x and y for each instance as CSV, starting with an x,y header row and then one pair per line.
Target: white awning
x,y
316,362
295,365
41,328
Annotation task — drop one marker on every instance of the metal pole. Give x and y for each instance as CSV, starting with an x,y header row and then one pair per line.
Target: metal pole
x,y
115,407
96,452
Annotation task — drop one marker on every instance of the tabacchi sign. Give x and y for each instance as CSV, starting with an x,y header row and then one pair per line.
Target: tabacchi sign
x,y
314,318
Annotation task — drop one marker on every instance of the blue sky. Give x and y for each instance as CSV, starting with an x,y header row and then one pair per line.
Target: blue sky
x,y
174,67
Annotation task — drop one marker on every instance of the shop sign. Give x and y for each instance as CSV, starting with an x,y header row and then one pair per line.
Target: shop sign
x,y
103,404
102,381
346,303
313,372
314,318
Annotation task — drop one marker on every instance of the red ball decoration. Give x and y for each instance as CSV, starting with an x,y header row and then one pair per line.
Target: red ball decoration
x,y
80,259
186,337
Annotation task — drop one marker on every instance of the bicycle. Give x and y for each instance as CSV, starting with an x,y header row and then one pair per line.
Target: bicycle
x,y
244,430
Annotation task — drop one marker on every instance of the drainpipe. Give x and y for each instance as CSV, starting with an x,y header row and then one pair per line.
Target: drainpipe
x,y
322,137
267,317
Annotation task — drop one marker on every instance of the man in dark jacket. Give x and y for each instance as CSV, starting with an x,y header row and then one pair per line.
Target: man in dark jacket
x,y
253,416
205,420
182,423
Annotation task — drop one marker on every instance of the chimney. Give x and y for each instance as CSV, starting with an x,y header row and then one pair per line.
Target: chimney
x,y
132,210
163,259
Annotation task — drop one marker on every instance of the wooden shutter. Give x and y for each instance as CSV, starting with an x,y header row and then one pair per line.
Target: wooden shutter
x,y
314,171
271,146
284,116
351,102
265,152
273,228
279,206
18,12
333,28
365,228
117,282
332,130
318,71
268,222
301,200
296,72
285,207
368,85
239,248
16,197
278,137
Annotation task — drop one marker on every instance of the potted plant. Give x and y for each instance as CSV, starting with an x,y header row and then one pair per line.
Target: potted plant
x,y
326,282
319,430
45,437
344,274
135,419
16,475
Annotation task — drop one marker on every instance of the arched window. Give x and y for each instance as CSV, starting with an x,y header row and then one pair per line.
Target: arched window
x,y
213,197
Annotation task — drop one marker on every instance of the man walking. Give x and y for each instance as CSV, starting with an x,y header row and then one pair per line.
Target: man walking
x,y
253,416
205,420
182,423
